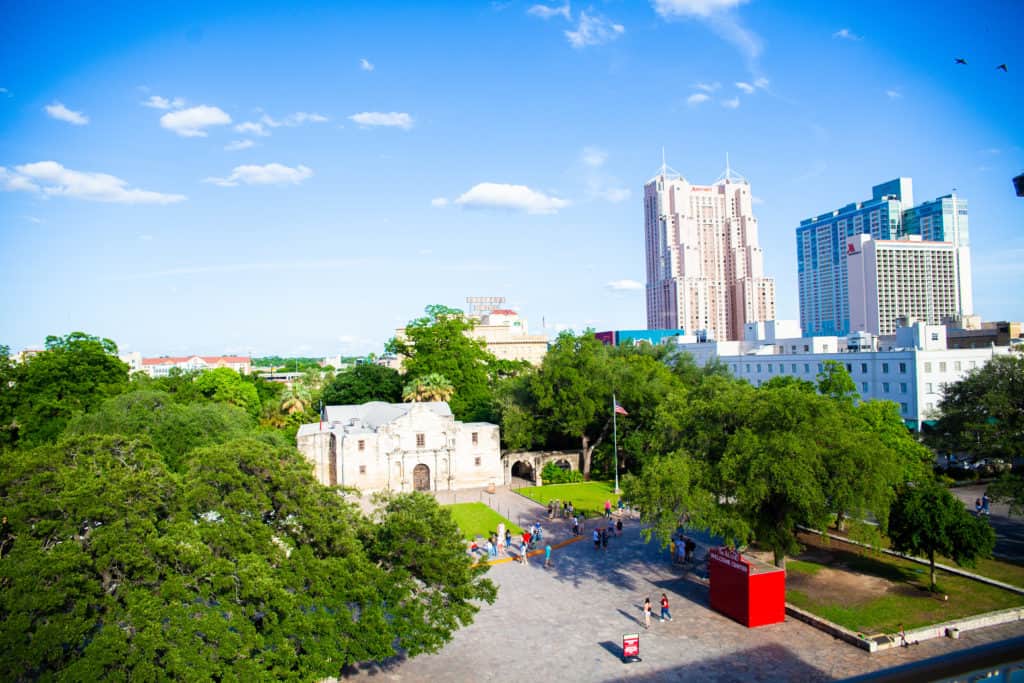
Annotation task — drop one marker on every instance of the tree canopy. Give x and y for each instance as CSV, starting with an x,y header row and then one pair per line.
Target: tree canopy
x,y
928,520
364,383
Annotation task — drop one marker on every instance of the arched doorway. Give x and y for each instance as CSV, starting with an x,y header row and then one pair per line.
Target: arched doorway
x,y
421,478
523,470
564,464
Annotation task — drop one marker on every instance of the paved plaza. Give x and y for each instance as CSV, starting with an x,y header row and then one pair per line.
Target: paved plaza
x,y
566,624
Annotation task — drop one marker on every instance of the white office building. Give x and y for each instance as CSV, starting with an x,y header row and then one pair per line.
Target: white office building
x,y
910,368
904,279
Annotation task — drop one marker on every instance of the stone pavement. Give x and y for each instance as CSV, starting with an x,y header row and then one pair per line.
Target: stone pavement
x,y
566,624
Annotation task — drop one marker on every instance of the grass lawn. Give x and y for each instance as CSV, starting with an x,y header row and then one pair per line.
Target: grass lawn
x,y
476,519
588,496
874,593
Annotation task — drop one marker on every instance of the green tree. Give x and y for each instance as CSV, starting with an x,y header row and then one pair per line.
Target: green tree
x,y
8,399
983,413
1009,488
362,384
928,520
442,343
434,586
835,381
573,391
432,387
74,374
224,385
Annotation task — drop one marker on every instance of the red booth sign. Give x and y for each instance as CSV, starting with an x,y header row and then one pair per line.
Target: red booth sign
x,y
751,592
631,646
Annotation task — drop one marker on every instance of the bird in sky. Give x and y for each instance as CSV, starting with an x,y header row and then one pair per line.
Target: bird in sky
x,y
1002,66
961,60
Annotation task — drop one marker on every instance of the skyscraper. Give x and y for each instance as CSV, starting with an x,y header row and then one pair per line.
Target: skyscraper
x,y
705,269
822,245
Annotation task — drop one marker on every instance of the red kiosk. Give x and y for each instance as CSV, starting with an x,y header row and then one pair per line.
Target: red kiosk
x,y
751,592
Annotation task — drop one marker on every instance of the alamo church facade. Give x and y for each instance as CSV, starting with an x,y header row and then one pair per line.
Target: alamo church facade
x,y
402,447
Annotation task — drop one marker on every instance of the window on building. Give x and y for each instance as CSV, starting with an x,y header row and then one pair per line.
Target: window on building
x,y
807,368
928,388
748,367
935,336
942,366
903,368
362,469
476,438
362,445
885,387
821,367
476,461
421,440
929,406
806,348
793,368
958,366
824,347
904,409
849,367
864,387
927,367
885,368
769,368
864,368
759,367
903,387
972,364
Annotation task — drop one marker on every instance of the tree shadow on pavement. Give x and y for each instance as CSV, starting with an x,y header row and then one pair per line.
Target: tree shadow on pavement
x,y
763,663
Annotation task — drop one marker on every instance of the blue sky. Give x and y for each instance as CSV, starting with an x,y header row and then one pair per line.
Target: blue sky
x,y
242,177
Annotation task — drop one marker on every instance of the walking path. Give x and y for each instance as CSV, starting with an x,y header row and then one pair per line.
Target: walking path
x,y
566,623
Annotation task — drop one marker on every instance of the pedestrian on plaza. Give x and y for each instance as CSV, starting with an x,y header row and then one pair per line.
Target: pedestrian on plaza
x,y
547,555
526,540
618,527
689,546
551,508
665,614
508,539
977,506
492,552
607,508
523,550
597,540
647,613
575,526
604,539
571,508
984,503
611,526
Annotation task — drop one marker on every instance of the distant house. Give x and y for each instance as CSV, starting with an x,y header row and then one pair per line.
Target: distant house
x,y
161,367
401,447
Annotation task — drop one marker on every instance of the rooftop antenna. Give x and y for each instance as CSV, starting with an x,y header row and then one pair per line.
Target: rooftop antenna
x,y
729,176
666,170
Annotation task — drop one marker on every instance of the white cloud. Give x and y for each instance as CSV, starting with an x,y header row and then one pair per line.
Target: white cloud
x,y
762,83
731,103
157,102
893,94
269,174
190,123
378,118
697,98
708,87
53,180
546,12
693,8
439,202
512,197
61,113
251,128
238,145
594,156
366,64
594,30
624,285
615,194
846,34
745,87
33,219
293,120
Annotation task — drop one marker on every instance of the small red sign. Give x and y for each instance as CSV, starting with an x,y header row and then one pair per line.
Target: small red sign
x,y
630,645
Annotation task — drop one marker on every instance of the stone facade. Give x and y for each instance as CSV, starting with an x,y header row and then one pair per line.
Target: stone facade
x,y
401,447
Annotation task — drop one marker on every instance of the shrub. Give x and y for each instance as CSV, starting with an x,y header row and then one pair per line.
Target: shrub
x,y
553,474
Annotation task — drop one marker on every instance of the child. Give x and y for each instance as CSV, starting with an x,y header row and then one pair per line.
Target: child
x,y
647,613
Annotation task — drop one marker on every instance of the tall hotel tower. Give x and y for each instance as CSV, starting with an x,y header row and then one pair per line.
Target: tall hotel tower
x,y
705,270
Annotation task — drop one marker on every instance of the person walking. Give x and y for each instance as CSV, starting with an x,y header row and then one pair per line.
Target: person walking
x,y
547,555
647,613
665,614
597,540
604,539
524,549
618,526
607,508
575,526
508,539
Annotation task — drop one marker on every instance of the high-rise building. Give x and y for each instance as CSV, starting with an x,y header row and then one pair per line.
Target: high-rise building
x,y
705,269
890,214
906,280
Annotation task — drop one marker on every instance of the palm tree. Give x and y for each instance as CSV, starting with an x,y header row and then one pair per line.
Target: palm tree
x,y
295,398
431,387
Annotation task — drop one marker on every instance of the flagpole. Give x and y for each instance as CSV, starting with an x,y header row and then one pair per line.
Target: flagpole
x,y
615,432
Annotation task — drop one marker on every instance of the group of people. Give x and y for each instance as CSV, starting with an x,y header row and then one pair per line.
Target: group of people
x,y
560,510
666,615
602,535
981,505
